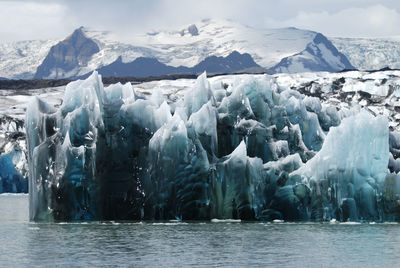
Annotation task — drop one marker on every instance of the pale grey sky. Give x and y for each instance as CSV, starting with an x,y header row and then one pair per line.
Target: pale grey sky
x,y
45,19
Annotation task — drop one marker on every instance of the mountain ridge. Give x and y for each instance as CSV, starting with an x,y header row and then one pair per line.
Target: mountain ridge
x,y
87,50
142,66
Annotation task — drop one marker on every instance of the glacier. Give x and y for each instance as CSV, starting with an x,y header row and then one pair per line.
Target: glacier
x,y
251,149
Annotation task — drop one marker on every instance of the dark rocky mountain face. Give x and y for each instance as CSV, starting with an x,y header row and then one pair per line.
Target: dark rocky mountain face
x,y
315,58
234,62
73,52
142,67
321,39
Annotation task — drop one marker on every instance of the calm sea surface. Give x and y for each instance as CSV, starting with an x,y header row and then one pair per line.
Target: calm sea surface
x,y
200,244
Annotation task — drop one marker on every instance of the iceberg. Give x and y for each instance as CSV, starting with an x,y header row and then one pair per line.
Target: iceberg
x,y
346,175
11,179
249,150
13,165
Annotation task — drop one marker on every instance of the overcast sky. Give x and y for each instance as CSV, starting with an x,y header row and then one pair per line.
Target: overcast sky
x,y
45,19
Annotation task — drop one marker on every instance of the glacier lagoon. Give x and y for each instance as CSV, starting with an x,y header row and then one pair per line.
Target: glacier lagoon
x,y
24,243
249,150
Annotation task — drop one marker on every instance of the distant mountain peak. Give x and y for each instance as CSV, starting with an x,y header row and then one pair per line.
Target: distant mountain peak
x,y
76,35
66,57
319,55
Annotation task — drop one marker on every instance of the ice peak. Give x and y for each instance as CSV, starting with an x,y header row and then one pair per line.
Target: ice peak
x,y
240,151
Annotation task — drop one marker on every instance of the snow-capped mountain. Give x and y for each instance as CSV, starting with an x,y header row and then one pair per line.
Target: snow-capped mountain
x,y
283,50
267,46
86,50
319,55
68,56
370,53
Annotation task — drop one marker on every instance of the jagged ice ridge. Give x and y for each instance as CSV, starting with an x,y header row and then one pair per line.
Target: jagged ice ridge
x,y
251,150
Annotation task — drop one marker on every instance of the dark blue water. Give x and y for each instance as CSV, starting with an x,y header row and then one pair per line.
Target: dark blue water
x,y
200,244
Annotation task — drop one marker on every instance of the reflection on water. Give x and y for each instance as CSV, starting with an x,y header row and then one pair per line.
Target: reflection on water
x,y
170,244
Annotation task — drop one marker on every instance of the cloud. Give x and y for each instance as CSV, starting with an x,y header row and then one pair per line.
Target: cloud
x,y
167,14
31,20
371,21
49,19
127,18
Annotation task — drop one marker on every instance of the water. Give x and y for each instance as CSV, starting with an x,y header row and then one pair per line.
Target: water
x,y
200,244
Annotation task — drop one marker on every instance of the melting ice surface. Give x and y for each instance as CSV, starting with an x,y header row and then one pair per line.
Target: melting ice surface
x,y
249,150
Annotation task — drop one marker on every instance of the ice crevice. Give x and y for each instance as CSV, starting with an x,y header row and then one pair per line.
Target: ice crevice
x,y
251,150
